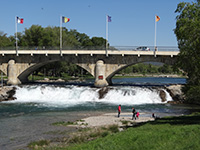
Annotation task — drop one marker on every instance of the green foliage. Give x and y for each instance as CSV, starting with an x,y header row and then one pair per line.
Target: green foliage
x,y
38,37
149,69
63,123
33,36
125,122
98,42
192,93
104,134
188,35
5,41
36,144
113,128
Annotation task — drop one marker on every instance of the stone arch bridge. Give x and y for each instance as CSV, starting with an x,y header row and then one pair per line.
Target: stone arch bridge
x,y
102,65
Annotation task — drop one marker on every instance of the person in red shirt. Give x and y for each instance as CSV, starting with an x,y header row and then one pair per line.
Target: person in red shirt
x,y
137,115
119,110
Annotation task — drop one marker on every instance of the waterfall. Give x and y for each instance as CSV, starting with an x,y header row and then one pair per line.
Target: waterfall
x,y
71,95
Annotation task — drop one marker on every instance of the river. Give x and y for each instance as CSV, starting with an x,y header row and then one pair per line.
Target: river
x,y
37,106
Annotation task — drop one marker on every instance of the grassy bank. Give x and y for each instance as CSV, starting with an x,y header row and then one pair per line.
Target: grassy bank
x,y
163,134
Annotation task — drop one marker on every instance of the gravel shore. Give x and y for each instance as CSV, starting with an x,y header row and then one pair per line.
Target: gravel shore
x,y
112,119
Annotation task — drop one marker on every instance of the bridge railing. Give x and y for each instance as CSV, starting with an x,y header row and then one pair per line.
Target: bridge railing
x,y
152,48
119,48
53,48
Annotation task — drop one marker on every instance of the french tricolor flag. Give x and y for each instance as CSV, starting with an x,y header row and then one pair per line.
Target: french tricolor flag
x,y
20,20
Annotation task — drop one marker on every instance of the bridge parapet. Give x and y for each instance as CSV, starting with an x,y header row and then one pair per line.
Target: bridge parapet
x,y
120,48
87,52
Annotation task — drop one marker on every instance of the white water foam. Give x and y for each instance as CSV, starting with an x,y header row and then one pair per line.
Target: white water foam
x,y
136,95
73,95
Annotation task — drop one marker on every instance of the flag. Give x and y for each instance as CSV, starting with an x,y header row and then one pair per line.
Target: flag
x,y
65,19
109,18
157,18
20,20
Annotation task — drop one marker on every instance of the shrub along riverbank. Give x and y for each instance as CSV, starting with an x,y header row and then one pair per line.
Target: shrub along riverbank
x,y
163,134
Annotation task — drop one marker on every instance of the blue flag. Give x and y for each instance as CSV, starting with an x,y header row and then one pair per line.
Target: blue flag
x,y
109,18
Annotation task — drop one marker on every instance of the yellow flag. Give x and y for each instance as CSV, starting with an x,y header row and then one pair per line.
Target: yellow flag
x,y
157,18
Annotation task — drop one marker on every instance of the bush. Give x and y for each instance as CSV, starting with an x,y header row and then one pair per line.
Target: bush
x,y
63,123
105,133
113,128
41,143
192,94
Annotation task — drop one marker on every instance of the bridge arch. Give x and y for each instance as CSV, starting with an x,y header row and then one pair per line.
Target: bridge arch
x,y
132,62
23,75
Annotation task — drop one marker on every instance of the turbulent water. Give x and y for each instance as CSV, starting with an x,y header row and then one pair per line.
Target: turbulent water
x,y
138,92
69,96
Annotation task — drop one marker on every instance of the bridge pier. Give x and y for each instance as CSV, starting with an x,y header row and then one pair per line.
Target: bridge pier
x,y
100,79
12,73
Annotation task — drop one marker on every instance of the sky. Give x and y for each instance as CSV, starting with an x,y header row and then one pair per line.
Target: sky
x,y
133,21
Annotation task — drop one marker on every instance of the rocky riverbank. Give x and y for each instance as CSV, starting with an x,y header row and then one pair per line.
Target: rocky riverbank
x,y
7,93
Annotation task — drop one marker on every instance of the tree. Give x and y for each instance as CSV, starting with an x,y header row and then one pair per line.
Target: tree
x,y
38,37
188,35
69,39
33,36
83,39
4,40
98,42
50,37
165,69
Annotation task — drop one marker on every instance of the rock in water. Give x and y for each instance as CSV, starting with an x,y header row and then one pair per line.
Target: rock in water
x,y
102,92
176,93
163,95
7,93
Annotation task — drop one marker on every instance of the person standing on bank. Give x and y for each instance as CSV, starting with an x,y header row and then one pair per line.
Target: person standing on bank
x,y
119,110
134,112
137,115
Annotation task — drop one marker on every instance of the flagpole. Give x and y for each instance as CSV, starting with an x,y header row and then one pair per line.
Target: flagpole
x,y
16,35
106,35
61,35
155,35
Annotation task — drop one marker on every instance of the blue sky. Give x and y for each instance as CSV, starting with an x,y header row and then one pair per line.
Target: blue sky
x,y
133,21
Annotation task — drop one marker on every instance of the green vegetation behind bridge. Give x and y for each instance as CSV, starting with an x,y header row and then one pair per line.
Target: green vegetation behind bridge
x,y
38,37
